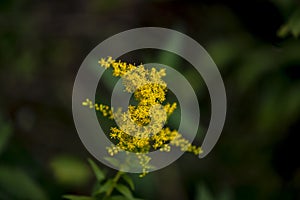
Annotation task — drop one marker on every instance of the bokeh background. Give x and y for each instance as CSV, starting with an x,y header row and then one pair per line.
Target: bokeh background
x,y
255,45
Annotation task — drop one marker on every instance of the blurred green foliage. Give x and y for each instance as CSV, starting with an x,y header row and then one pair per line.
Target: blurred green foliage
x,y
292,26
106,188
15,183
70,171
18,185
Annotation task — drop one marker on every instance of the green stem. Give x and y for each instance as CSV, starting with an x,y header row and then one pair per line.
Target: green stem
x,y
115,181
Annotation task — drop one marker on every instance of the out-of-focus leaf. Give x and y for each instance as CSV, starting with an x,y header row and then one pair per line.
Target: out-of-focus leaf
x,y
294,23
5,133
267,116
283,31
19,185
256,64
145,186
103,188
203,193
74,197
292,26
70,171
128,180
98,172
283,6
226,50
124,190
270,119
292,102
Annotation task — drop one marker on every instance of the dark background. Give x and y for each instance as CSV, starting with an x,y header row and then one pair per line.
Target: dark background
x,y
255,45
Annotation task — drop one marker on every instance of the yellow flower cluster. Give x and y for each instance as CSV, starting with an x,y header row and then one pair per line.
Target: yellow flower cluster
x,y
106,63
119,68
104,109
142,127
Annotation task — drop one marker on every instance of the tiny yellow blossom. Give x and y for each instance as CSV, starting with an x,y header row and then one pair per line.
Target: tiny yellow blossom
x,y
145,124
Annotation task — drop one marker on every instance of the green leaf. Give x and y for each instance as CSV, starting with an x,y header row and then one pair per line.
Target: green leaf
x,y
283,31
128,180
70,170
19,185
124,190
292,26
74,197
106,186
98,172
294,23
